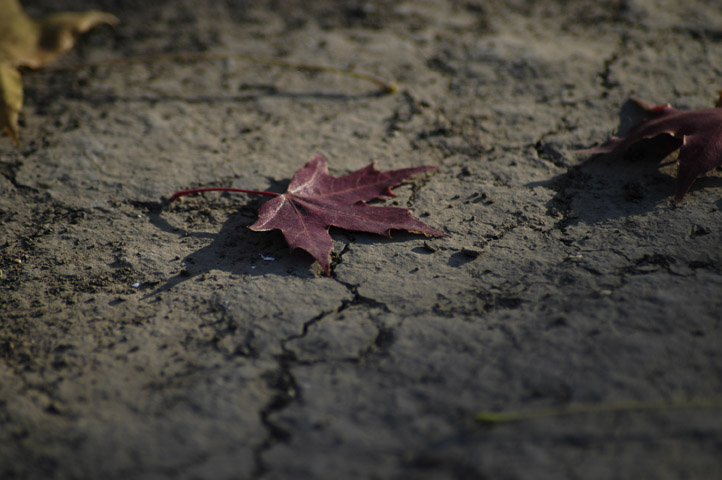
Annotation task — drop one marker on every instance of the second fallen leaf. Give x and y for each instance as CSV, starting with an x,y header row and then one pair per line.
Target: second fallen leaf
x,y
698,132
26,42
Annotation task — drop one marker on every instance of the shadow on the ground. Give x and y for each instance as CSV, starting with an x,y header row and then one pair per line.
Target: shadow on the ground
x,y
234,249
619,185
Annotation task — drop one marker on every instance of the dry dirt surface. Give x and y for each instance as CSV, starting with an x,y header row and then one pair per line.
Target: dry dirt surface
x,y
141,340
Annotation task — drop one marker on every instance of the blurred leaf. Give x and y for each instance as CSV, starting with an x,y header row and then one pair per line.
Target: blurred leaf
x,y
26,42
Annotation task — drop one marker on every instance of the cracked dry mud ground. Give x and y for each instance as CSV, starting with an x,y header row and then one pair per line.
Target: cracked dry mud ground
x,y
143,341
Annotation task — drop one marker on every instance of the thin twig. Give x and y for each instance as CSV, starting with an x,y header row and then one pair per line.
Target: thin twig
x,y
183,193
487,417
387,87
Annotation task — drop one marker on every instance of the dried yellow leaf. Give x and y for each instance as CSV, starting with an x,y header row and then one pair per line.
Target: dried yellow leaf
x,y
11,99
26,42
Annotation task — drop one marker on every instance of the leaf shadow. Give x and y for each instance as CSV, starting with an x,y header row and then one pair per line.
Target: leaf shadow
x,y
234,249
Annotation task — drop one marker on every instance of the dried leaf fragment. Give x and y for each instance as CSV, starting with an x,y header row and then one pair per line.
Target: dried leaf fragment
x,y
11,99
26,42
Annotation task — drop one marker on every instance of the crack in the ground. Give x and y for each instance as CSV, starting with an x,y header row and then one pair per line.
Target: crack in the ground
x,y
505,228
337,258
359,299
549,152
561,204
412,108
10,170
416,187
385,336
12,163
287,391
648,264
282,381
605,76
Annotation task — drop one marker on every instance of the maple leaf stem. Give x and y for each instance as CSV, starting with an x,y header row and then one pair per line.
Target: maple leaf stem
x,y
183,193
386,87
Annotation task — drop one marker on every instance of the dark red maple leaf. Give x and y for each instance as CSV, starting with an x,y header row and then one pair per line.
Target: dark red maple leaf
x,y
315,201
698,134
